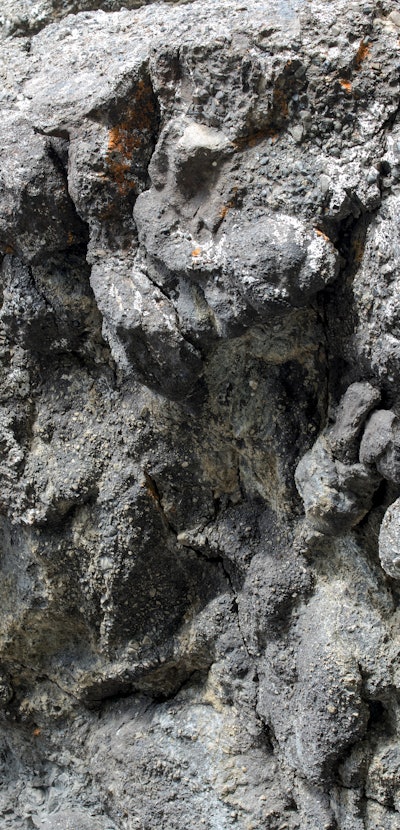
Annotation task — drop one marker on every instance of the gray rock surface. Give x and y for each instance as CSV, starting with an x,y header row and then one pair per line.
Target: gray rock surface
x,y
380,444
389,548
354,408
199,415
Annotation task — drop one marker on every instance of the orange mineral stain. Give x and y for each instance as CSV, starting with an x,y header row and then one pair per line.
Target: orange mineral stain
x,y
321,233
346,85
231,204
130,138
362,53
122,142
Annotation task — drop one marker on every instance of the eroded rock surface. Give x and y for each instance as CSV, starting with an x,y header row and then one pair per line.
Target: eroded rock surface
x,y
199,415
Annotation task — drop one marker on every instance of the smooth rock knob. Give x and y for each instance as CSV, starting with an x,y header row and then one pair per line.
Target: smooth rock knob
x,y
389,541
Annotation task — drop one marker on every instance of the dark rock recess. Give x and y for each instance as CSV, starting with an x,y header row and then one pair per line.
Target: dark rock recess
x,y
200,415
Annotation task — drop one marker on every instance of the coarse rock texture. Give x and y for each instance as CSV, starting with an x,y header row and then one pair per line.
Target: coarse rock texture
x,y
200,415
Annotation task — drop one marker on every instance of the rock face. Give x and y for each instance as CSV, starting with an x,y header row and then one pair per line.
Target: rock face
x,y
199,415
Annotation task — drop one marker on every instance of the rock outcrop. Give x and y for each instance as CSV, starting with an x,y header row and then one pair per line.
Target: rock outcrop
x,y
199,415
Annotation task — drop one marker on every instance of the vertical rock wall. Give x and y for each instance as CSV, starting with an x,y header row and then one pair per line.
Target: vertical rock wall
x,y
199,415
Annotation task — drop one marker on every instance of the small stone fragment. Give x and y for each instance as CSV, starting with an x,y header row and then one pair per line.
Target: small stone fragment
x,y
336,496
354,407
380,444
394,16
389,541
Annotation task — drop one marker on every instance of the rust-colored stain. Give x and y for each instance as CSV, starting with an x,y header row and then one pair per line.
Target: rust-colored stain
x,y
70,238
231,204
321,233
196,252
255,138
151,488
8,249
107,213
130,138
121,145
345,84
152,491
224,210
283,91
36,732
362,53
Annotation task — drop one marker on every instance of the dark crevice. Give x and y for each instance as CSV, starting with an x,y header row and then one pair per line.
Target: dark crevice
x,y
348,234
55,132
320,309
187,681
156,497
60,163
93,702
377,714
116,689
235,606
131,690
271,743
57,522
191,340
390,122
388,807
59,158
379,499
339,316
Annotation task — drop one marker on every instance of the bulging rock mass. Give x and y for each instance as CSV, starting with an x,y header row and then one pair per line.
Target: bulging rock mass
x,y
199,415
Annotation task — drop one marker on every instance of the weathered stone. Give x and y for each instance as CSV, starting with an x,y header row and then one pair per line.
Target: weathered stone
x,y
73,819
380,444
141,326
354,408
376,338
383,774
37,216
336,496
199,312
389,547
